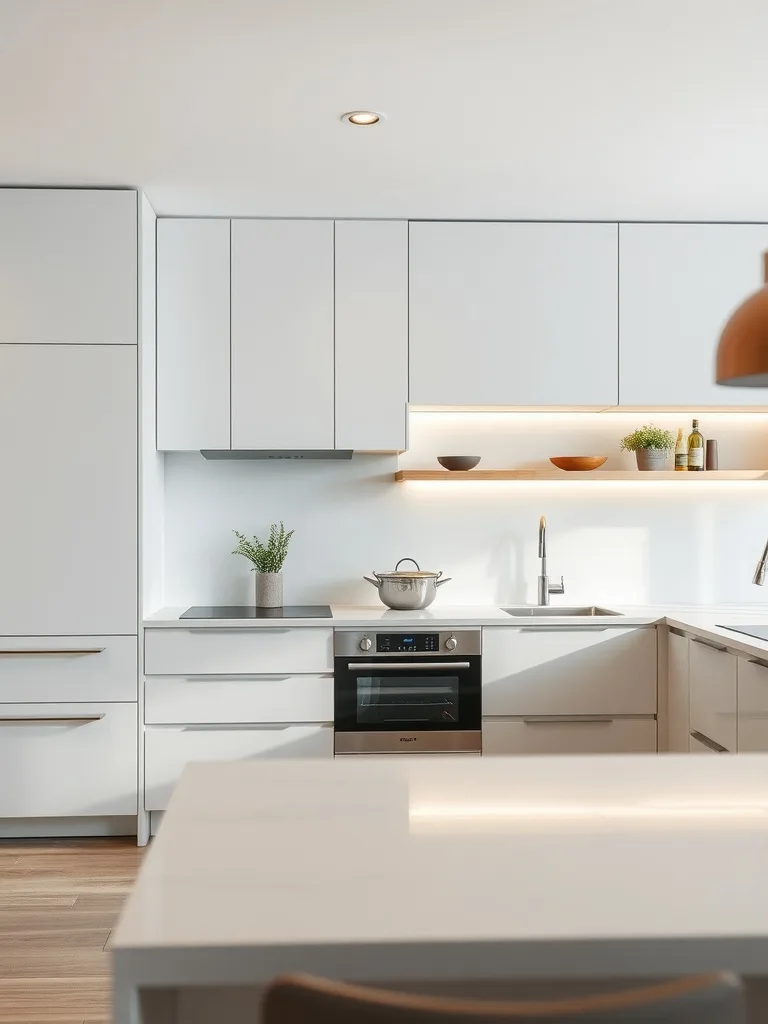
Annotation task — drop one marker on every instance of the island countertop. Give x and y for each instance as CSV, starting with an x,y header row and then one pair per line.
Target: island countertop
x,y
407,867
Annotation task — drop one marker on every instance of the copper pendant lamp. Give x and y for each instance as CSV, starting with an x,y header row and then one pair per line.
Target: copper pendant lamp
x,y
742,355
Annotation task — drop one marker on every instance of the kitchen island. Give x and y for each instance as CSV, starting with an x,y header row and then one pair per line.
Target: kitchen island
x,y
445,874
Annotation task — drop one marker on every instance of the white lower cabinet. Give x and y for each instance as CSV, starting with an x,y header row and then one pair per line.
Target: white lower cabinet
x,y
168,749
67,668
569,670
753,706
62,760
678,728
206,651
586,735
713,694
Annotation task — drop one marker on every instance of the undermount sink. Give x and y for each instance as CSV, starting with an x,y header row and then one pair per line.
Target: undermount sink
x,y
552,611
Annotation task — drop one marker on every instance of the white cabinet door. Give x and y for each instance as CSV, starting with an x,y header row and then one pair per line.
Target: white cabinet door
x,y
168,750
68,266
228,699
192,334
282,334
569,670
68,669
677,693
68,542
67,760
713,689
753,706
679,283
576,736
371,334
513,314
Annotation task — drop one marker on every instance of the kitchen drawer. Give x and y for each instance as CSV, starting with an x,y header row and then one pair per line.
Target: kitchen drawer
x,y
201,651
68,668
201,699
753,706
569,670
585,736
712,686
168,749
68,760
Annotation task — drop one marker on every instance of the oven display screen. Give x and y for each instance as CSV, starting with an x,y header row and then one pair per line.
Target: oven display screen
x,y
407,643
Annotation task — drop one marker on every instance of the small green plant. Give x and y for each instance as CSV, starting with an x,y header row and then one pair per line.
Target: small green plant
x,y
267,557
648,437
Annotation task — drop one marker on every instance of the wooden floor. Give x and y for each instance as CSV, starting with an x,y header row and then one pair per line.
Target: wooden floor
x,y
59,900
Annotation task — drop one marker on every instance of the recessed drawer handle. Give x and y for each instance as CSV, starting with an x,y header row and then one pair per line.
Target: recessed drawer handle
x,y
757,661
707,742
203,630
238,727
568,719
54,652
563,629
48,719
709,643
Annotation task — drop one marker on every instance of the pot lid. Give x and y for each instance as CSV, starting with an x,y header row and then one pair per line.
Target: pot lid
x,y
407,574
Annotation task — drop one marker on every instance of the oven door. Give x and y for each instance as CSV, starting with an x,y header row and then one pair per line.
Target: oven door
x,y
402,705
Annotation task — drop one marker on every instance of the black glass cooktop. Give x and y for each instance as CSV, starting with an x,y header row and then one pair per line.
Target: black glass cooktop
x,y
235,611
758,632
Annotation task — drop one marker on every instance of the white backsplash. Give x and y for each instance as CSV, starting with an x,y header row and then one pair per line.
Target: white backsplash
x,y
620,542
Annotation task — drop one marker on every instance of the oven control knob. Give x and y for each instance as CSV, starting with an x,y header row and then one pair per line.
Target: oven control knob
x,y
450,643
365,643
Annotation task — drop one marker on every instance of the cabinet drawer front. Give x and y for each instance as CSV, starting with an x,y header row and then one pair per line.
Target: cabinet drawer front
x,y
168,750
62,760
237,651
569,671
68,668
753,707
201,699
617,736
712,688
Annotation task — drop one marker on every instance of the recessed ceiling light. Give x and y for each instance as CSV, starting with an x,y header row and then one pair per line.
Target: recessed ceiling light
x,y
362,117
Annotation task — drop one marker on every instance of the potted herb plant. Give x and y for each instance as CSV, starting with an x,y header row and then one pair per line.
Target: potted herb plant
x,y
651,446
267,562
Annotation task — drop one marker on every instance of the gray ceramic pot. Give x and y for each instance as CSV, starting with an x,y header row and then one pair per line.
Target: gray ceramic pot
x,y
407,591
269,589
652,458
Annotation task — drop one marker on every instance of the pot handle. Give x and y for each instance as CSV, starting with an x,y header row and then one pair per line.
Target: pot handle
x,y
376,583
439,583
418,567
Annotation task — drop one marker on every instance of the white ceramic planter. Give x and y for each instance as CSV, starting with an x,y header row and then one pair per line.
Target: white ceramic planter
x,y
269,589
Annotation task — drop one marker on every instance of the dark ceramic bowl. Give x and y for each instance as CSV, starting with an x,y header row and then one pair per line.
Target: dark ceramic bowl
x,y
458,462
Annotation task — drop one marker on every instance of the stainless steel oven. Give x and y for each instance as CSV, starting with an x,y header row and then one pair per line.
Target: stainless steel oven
x,y
407,692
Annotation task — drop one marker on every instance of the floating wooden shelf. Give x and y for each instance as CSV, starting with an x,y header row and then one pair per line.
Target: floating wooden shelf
x,y
596,475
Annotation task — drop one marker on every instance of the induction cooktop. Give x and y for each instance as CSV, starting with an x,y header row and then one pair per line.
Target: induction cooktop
x,y
236,611
758,632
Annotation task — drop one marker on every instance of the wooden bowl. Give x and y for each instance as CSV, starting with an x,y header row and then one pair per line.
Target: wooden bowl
x,y
578,463
458,462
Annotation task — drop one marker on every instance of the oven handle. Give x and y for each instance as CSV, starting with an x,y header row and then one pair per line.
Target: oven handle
x,y
411,666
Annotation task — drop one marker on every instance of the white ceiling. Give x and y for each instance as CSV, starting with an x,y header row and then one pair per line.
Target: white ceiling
x,y
495,108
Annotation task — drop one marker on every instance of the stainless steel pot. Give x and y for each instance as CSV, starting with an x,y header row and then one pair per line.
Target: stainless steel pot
x,y
407,591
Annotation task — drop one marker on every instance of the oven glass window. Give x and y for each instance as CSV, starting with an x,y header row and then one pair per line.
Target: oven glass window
x,y
403,699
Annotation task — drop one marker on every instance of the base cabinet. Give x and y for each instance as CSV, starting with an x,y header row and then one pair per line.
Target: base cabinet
x,y
713,700
677,693
62,760
168,749
572,736
753,707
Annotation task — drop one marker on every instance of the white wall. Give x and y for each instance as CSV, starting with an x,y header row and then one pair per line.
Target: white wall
x,y
613,542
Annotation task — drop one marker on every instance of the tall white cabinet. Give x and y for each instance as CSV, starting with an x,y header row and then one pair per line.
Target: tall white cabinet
x,y
69,537
678,285
521,314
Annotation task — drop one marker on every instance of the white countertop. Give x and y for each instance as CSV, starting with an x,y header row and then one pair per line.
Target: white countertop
x,y
407,867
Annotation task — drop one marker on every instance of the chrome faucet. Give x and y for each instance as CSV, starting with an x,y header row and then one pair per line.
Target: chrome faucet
x,y
545,587
759,577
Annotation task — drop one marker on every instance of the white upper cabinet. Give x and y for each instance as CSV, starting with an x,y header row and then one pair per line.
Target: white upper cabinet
x,y
68,543
282,334
193,410
513,314
371,303
68,266
679,283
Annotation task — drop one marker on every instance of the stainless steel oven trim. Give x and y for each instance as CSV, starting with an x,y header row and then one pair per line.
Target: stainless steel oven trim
x,y
407,666
346,643
409,742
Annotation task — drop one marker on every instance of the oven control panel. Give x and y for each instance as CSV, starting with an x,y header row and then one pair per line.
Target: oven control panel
x,y
407,643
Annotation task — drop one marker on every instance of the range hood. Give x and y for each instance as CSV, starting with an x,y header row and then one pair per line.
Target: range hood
x,y
264,454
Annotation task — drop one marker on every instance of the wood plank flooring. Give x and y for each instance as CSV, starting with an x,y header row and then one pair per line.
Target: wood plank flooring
x,y
59,900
